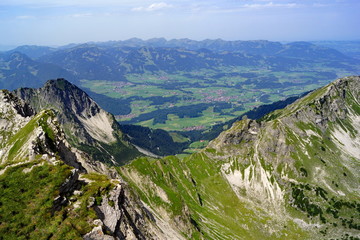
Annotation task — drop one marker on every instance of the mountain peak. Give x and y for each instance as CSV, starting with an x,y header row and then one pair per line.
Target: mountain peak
x,y
61,84
62,95
85,123
336,100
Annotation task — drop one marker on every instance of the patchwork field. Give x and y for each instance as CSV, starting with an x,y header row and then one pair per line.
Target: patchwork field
x,y
197,100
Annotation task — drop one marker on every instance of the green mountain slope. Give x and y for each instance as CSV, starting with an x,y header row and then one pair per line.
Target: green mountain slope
x,y
294,174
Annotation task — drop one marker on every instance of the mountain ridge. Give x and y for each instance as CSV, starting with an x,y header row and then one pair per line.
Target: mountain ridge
x,y
112,60
17,69
299,164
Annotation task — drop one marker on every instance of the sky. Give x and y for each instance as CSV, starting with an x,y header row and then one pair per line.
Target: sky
x,y
60,22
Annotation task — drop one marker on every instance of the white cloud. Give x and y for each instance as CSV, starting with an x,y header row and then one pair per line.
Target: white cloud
x,y
271,5
81,15
321,5
69,3
24,17
153,7
251,6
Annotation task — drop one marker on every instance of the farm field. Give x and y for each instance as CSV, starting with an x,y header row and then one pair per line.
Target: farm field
x,y
196,100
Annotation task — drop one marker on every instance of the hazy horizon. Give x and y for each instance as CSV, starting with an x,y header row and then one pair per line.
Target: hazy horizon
x,y
10,47
62,22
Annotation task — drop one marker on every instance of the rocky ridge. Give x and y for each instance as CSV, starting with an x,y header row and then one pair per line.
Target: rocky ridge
x,y
313,143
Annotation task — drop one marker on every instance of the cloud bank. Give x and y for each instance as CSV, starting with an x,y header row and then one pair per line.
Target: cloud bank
x,y
153,7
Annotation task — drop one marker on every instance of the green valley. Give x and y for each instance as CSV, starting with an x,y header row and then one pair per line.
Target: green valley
x,y
198,100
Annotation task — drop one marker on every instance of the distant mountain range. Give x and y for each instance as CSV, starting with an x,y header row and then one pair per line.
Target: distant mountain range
x,y
183,66
349,48
19,70
256,47
31,66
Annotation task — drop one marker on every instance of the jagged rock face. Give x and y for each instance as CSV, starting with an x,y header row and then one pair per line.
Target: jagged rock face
x,y
14,114
124,216
85,124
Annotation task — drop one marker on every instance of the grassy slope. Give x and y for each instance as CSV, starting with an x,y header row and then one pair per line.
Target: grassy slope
x,y
20,140
196,182
27,202
29,187
321,191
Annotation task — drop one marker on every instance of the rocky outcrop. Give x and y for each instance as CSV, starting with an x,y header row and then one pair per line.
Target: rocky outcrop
x,y
123,216
66,189
14,114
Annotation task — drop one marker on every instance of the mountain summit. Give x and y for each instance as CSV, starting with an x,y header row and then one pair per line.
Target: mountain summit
x,y
86,125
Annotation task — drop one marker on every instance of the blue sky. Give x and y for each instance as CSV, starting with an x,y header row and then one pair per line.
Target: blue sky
x,y
59,22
